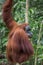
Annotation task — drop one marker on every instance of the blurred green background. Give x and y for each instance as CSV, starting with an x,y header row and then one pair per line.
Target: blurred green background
x,y
35,18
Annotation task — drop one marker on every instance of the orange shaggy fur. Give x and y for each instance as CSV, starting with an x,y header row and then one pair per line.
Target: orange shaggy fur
x,y
19,47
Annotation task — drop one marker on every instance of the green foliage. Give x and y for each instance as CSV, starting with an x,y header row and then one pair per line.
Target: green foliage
x,y
36,23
